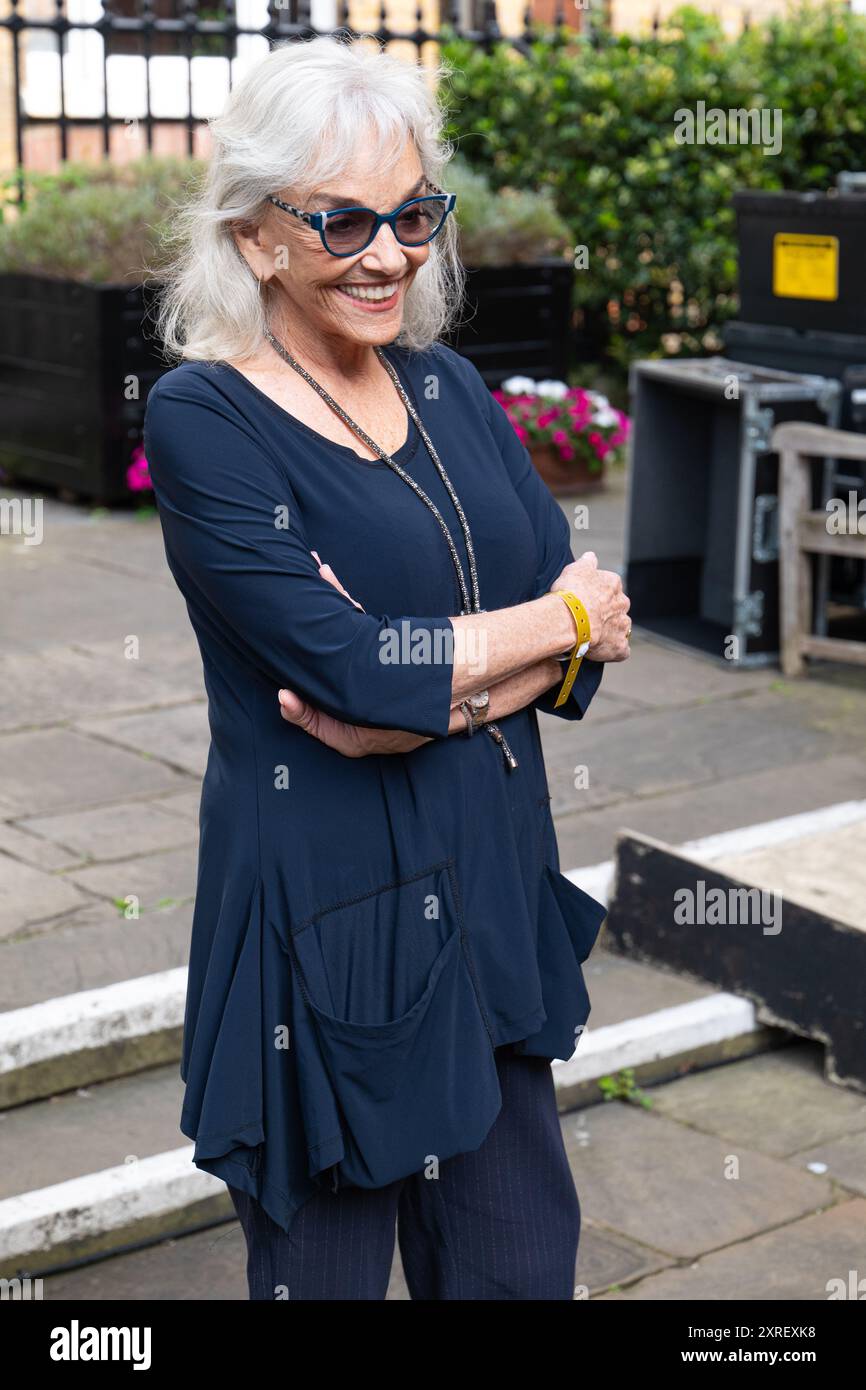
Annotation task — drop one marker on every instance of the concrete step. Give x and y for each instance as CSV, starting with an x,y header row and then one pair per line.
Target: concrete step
x,y
98,1169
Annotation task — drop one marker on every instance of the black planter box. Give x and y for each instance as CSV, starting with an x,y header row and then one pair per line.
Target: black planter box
x,y
801,260
75,371
71,354
517,321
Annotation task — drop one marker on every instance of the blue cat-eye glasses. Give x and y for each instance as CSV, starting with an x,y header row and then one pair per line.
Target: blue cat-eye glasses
x,y
347,231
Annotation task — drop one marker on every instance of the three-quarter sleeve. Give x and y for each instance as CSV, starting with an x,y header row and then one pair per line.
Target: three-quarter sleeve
x,y
236,545
552,539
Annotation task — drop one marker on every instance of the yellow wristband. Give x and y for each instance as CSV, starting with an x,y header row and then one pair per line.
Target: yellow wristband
x,y
581,618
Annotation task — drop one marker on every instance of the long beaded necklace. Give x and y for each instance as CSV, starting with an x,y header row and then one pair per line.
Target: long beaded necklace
x,y
472,605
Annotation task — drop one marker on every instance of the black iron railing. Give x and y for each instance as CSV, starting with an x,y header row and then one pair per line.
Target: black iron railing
x,y
186,28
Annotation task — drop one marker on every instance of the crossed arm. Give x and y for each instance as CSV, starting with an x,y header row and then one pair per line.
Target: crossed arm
x,y
355,741
508,694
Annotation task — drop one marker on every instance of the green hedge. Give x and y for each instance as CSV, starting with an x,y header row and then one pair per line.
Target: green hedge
x,y
596,125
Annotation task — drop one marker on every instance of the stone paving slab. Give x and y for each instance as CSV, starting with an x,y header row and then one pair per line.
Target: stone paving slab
x,y
107,831
179,736
663,1185
205,1267
777,1104
155,879
62,600
183,804
27,895
605,1259
30,849
91,948
54,769
801,1262
663,750
605,706
134,549
42,687
844,1158
657,675
589,835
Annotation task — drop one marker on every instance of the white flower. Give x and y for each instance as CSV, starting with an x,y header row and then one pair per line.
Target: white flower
x,y
554,390
605,417
519,386
598,400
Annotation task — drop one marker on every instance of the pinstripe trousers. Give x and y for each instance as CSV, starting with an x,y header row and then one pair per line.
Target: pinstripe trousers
x,y
502,1222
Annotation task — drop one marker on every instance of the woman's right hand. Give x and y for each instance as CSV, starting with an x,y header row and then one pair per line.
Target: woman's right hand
x,y
601,593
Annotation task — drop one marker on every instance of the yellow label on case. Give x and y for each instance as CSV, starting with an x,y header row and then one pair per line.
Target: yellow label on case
x,y
805,267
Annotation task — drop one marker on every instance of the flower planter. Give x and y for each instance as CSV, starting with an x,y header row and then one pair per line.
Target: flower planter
x,y
564,476
75,370
569,432
517,320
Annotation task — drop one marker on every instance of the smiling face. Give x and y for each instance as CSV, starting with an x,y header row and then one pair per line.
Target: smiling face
x,y
358,298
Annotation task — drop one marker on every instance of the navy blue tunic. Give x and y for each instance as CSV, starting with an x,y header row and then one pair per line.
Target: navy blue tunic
x,y
366,930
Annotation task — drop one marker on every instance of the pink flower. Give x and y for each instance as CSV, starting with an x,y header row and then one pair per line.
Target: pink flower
x,y
521,433
560,437
138,472
566,453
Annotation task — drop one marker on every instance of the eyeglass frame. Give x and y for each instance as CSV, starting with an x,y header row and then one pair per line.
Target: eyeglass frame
x,y
318,220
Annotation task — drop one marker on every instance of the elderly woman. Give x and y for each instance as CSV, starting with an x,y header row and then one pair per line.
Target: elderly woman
x,y
385,957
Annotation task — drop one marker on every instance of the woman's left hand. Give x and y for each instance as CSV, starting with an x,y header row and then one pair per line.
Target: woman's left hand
x,y
352,740
327,573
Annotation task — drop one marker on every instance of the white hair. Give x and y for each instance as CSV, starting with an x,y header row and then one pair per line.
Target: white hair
x,y
294,121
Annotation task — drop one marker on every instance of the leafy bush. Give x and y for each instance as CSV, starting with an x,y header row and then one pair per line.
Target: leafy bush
x,y
507,226
98,223
596,127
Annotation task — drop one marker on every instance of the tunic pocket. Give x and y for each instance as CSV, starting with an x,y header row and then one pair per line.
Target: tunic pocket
x,y
402,1044
569,921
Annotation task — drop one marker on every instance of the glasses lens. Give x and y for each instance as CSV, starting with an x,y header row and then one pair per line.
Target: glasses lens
x,y
421,220
349,231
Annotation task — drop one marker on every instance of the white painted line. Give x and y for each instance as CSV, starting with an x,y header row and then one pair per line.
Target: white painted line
x,y
94,1018
651,1037
110,1200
